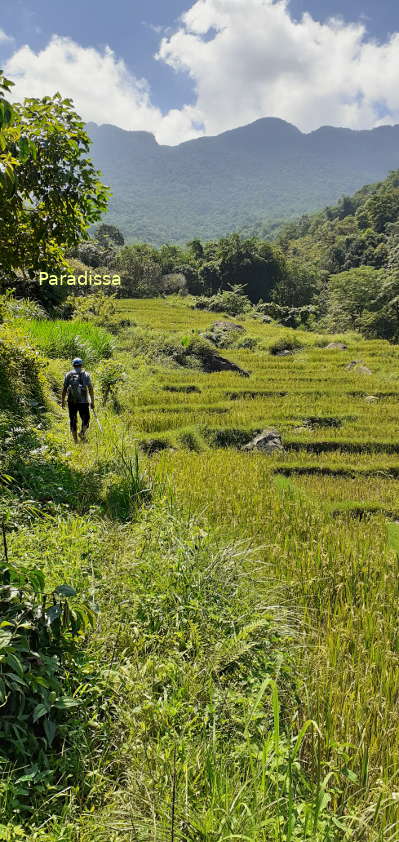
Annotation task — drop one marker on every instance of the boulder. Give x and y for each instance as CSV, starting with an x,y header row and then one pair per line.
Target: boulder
x,y
370,398
213,363
226,326
285,353
267,441
336,346
358,367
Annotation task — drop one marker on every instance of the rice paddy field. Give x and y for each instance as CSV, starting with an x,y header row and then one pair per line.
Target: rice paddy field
x,y
324,513
303,541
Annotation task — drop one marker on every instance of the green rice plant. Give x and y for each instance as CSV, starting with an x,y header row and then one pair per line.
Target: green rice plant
x,y
69,339
130,488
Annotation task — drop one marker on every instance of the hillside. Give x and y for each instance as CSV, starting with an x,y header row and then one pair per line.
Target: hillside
x,y
237,594
208,187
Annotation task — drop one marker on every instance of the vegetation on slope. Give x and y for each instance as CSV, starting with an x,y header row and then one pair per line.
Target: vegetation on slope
x,y
233,599
209,187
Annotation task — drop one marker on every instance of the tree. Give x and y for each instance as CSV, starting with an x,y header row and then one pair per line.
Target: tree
x,y
49,190
297,288
140,269
109,236
351,294
233,260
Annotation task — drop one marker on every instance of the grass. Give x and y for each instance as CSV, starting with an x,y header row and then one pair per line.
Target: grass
x,y
241,595
59,338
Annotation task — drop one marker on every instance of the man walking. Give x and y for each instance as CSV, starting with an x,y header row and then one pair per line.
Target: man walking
x,y
77,388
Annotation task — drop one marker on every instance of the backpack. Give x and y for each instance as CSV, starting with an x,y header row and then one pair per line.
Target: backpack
x,y
77,391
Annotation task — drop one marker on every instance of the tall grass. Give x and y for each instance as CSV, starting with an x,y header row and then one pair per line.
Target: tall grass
x,y
68,339
218,662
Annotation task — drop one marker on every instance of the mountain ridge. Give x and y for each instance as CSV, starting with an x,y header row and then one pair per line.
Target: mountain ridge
x,y
209,186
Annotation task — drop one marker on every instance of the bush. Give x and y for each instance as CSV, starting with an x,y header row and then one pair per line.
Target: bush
x,y
22,385
20,308
38,645
233,302
99,309
295,317
247,343
110,375
286,343
69,339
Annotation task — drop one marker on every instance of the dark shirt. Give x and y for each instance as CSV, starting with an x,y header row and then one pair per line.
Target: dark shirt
x,y
84,379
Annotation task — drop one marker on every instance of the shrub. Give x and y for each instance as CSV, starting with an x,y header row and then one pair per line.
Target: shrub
x,y
286,343
22,385
69,339
98,308
247,342
233,302
38,639
20,308
110,375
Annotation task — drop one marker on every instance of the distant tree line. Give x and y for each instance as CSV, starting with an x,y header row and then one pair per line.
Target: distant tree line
x,y
337,269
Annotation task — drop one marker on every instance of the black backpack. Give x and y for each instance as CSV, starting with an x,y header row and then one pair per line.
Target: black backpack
x,y
77,391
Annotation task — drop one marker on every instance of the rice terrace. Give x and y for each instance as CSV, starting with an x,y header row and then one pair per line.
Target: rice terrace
x,y
244,651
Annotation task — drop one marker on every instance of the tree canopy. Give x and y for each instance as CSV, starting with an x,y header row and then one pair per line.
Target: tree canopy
x,y
50,191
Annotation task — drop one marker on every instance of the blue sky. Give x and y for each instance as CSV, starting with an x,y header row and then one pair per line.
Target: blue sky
x,y
177,85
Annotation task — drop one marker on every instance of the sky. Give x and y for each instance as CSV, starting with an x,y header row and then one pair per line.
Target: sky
x,y
182,69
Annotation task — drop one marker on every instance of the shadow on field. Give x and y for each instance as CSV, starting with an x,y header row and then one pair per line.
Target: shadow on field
x,y
53,481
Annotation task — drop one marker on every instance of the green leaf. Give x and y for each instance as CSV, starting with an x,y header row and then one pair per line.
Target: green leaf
x,y
50,730
29,775
5,639
65,590
66,702
39,711
15,664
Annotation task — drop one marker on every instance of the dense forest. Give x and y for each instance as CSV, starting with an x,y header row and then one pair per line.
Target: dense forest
x,y
337,269
248,179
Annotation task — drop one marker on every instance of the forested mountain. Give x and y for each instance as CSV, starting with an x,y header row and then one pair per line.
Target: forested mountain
x,y
241,180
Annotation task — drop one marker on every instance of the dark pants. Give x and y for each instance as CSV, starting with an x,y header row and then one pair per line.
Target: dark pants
x,y
84,412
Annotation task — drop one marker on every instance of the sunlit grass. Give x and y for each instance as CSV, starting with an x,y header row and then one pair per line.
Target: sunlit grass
x,y
323,523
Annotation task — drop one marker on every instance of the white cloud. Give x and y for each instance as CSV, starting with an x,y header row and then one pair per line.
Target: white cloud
x,y
4,37
250,59
247,58
100,85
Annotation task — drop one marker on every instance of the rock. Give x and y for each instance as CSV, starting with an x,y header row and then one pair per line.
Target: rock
x,y
226,326
285,353
358,367
370,398
39,451
336,346
267,441
213,363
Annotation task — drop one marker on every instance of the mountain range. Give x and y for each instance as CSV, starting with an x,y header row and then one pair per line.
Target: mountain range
x,y
247,179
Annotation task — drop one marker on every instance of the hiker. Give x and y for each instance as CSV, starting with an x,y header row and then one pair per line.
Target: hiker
x,y
77,388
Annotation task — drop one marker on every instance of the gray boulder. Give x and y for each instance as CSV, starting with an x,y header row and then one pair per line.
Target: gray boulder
x,y
226,326
358,367
336,346
267,441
